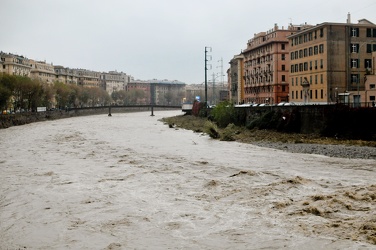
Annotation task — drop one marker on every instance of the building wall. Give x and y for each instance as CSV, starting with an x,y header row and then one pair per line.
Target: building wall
x,y
266,62
88,78
331,58
15,64
42,71
66,75
114,81
235,75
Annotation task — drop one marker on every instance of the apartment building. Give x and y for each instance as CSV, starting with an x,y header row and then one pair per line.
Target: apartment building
x,y
236,80
168,92
330,60
42,71
66,75
14,64
88,78
369,94
114,81
266,66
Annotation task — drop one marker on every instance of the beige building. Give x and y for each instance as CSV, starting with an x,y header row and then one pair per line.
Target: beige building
x,y
266,65
88,78
114,81
369,94
42,71
66,75
168,92
14,64
236,79
330,60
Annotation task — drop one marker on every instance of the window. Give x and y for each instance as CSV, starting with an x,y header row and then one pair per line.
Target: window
x,y
292,68
283,88
322,94
321,48
321,32
316,93
354,63
321,63
283,46
369,32
283,67
292,95
372,86
300,67
368,63
292,56
354,48
315,50
354,32
292,81
371,48
283,78
321,78
315,64
305,53
305,66
310,36
354,78
315,79
283,57
372,98
300,53
310,65
310,51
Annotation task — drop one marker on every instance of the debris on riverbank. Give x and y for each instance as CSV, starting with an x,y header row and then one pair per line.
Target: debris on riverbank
x,y
291,142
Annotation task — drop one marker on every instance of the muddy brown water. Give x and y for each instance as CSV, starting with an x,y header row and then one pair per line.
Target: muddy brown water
x,y
131,182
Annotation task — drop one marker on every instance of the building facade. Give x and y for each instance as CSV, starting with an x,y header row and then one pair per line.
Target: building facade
x,y
168,92
236,80
14,64
114,81
330,60
266,66
88,78
42,71
66,75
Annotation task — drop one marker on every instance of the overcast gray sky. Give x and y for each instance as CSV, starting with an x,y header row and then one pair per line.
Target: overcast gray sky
x,y
162,39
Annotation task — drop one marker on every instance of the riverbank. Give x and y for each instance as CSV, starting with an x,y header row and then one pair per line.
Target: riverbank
x,y
290,142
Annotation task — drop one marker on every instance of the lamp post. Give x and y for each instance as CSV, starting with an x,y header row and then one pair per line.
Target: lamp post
x,y
207,58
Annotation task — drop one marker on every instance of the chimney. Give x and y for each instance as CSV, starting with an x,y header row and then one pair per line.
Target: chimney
x,y
348,17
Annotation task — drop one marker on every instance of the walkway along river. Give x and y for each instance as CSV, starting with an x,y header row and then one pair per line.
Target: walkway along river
x,y
131,182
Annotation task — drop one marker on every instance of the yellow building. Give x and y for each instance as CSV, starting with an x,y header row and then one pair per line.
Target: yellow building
x,y
42,71
236,79
15,65
330,60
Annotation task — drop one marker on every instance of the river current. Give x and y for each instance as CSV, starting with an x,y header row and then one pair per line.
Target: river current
x,y
131,182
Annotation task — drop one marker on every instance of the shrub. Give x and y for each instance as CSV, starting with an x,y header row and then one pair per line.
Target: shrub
x,y
223,114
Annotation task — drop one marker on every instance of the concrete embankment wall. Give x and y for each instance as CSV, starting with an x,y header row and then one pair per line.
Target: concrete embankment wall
x,y
327,120
10,120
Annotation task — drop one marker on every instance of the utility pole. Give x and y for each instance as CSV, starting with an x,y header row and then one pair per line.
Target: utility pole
x,y
207,58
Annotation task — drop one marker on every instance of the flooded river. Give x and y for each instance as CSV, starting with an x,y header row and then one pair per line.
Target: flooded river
x,y
131,182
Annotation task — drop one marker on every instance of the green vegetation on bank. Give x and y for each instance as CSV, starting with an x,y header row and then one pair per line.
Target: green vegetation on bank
x,y
24,93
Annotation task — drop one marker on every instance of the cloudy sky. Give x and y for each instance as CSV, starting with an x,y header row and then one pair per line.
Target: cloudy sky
x,y
162,39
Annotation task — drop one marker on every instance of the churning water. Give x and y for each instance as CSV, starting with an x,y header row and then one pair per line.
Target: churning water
x,y
131,182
